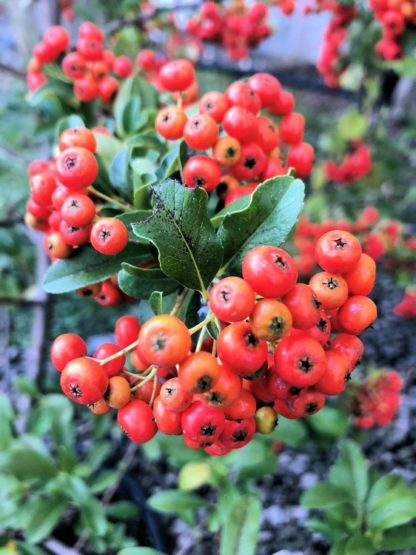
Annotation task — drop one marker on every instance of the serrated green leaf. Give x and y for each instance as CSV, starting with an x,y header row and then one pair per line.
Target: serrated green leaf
x,y
88,266
350,472
323,495
174,501
189,251
141,282
240,532
273,210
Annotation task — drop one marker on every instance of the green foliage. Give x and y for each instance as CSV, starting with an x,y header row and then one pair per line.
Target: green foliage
x,y
362,514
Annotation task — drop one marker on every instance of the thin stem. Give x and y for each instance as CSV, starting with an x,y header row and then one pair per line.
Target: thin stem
x,y
146,379
152,398
201,339
118,203
119,353
202,324
179,302
214,348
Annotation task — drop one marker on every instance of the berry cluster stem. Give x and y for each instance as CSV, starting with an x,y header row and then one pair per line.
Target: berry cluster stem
x,y
117,202
119,353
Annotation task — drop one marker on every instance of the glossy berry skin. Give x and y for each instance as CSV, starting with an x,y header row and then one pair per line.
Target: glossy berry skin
x,y
216,449
79,136
280,389
202,424
307,403
270,271
241,94
200,132
137,421
357,314
301,157
335,379
126,330
174,396
361,279
73,65
243,407
115,366
350,346
300,360
145,392
76,168
118,392
74,235
202,171
56,246
240,349
42,186
251,162
285,410
123,66
271,319
225,391
240,124
337,251
164,340
109,236
227,151
170,122
85,89
331,290
84,380
266,87
321,331
65,348
237,434
232,299
168,422
177,75
292,128
199,372
266,420
303,305
78,210
268,135
214,104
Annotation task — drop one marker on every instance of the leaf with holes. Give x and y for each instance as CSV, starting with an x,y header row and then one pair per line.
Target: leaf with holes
x,y
179,227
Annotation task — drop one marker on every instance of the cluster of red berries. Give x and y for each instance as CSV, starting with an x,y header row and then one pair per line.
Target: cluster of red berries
x,y
375,401
355,165
406,308
393,16
378,237
237,26
330,64
95,71
60,204
282,348
244,146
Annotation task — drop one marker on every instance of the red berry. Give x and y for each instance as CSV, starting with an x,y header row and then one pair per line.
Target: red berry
x,y
109,236
177,75
137,421
113,367
338,251
202,171
300,360
232,299
84,380
127,330
65,348
240,349
202,424
76,168
164,340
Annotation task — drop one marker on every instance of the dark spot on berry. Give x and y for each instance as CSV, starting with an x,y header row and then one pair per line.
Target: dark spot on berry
x,y
331,283
251,339
340,243
250,163
159,343
199,181
310,408
215,398
279,261
277,324
322,325
204,384
239,435
305,364
225,295
70,162
104,235
208,429
75,390
294,390
315,302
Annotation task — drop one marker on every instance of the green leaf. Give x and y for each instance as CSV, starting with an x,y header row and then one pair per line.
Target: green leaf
x,y
359,545
86,267
133,217
240,532
401,537
93,517
120,174
122,510
350,472
25,461
389,514
104,480
45,515
338,548
107,147
132,87
131,115
272,211
323,495
174,501
352,125
168,165
179,227
330,422
139,551
290,432
142,282
193,475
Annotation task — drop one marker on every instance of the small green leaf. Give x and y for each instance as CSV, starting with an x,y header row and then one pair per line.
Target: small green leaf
x,y
395,513
168,165
86,267
174,501
131,115
122,510
189,251
45,515
193,475
107,147
352,125
350,472
93,517
139,551
240,532
272,211
323,495
141,282
401,537
359,545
